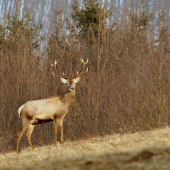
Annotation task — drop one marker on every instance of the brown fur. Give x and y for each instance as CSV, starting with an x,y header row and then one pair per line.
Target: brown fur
x,y
54,108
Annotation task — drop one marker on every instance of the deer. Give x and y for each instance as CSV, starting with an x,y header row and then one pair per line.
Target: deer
x,y
54,108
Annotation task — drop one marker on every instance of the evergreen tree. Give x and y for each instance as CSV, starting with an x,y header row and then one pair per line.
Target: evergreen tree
x,y
89,19
20,30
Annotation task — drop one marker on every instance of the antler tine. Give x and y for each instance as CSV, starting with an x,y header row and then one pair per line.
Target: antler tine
x,y
81,73
54,65
84,63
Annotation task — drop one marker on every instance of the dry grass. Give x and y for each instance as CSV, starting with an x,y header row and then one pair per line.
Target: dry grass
x,y
142,150
126,90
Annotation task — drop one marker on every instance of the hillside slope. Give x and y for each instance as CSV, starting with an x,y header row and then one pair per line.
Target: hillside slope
x,y
143,150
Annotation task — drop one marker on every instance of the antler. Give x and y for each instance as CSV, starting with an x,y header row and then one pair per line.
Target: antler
x,y
54,65
84,64
78,75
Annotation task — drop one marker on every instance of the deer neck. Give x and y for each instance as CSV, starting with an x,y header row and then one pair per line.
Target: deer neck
x,y
69,98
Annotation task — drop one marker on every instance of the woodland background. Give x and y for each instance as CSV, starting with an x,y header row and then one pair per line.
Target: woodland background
x,y
127,88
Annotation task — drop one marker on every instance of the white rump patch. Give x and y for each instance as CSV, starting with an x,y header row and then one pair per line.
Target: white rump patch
x,y
19,110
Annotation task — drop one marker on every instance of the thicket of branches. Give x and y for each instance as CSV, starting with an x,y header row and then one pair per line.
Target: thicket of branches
x,y
126,89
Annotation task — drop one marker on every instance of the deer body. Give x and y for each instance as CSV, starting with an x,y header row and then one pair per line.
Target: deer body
x,y
45,110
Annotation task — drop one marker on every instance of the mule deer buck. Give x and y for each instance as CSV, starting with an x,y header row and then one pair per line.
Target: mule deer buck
x,y
51,109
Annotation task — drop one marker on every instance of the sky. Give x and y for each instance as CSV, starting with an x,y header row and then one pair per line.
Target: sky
x,y
43,10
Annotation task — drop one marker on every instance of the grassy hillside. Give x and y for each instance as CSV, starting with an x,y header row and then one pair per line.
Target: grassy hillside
x,y
142,150
127,87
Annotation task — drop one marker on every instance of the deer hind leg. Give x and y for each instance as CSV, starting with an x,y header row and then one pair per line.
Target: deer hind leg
x,y
25,125
28,135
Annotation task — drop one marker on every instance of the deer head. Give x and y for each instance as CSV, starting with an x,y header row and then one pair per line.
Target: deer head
x,y
71,83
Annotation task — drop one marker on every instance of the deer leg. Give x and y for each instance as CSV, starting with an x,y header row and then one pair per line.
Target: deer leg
x,y
25,124
19,135
62,130
28,135
56,131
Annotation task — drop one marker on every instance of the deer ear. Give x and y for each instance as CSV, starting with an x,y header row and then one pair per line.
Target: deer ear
x,y
76,80
64,80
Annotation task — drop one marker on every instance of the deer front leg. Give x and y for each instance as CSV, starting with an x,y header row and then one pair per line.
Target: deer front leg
x,y
62,130
56,131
